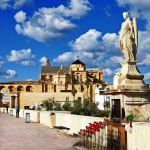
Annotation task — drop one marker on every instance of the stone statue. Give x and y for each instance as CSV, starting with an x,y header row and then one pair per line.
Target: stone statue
x,y
128,40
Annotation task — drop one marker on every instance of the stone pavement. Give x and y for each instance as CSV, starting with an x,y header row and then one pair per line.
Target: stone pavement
x,y
15,134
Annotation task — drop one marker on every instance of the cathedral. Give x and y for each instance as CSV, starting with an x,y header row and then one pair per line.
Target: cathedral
x,y
56,82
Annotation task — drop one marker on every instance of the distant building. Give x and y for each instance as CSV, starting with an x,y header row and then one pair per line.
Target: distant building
x,y
102,100
55,82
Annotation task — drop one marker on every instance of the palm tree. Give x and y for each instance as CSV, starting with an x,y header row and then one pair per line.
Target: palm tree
x,y
87,83
73,92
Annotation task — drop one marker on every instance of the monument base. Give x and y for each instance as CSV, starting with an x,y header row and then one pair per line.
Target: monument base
x,y
130,94
129,77
127,102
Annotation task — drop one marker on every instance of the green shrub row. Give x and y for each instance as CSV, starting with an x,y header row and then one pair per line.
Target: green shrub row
x,y
88,108
50,105
78,107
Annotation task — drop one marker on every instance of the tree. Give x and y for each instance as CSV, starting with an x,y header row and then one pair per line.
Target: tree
x,y
107,104
77,107
50,104
67,105
56,106
87,83
47,104
92,108
73,92
87,86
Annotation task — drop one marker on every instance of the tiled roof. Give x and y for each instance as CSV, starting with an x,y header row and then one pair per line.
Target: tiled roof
x,y
78,62
54,69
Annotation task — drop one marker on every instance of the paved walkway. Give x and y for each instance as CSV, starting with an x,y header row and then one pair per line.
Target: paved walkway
x,y
17,135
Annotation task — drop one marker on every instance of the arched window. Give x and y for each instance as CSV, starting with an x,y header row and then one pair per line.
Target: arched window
x,y
20,88
11,88
1,87
29,89
43,77
78,77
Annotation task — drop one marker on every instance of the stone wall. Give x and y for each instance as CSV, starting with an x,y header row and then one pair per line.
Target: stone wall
x,y
35,98
75,122
139,138
45,117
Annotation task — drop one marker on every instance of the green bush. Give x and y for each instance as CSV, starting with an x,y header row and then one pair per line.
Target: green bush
x,y
56,106
85,109
50,104
107,104
102,113
88,109
77,106
47,104
38,108
92,108
130,117
66,106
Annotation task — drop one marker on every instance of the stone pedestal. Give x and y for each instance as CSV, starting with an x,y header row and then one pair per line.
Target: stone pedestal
x,y
129,77
133,94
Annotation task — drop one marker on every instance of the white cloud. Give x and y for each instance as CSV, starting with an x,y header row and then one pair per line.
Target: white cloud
x,y
52,23
27,62
20,3
136,3
91,46
20,16
147,76
78,8
88,42
10,74
29,80
1,64
110,41
144,44
108,72
5,4
116,59
43,61
93,40
138,8
66,58
145,61
24,57
91,59
6,73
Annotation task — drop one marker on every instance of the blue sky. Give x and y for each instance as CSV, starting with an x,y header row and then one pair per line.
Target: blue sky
x,y
61,30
